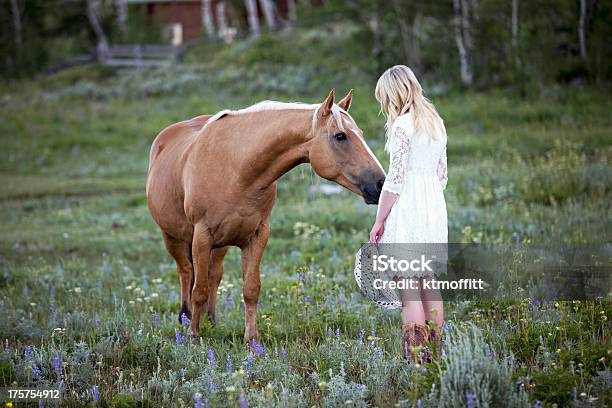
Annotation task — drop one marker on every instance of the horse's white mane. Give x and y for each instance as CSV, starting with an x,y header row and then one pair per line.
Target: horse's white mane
x,y
274,105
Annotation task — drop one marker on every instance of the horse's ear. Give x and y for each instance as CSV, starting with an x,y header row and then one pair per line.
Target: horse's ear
x,y
345,103
327,104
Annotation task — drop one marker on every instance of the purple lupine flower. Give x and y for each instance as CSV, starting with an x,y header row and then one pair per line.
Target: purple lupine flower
x,y
259,350
229,365
491,355
95,393
36,373
185,320
447,327
212,387
276,352
97,322
100,283
373,332
284,354
243,402
206,403
419,404
575,394
197,401
338,333
26,291
211,358
330,332
470,399
250,360
57,364
52,295
29,351
308,299
179,337
538,404
182,373
361,336
229,302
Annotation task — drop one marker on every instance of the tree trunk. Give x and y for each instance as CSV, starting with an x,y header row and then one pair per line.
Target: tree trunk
x,y
409,35
222,21
122,15
207,20
515,10
464,59
581,35
16,23
93,14
251,7
268,11
291,10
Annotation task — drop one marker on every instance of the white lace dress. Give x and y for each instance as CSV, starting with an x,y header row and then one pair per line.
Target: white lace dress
x,y
418,174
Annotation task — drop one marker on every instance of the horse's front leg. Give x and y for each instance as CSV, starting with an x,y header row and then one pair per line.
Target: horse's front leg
x,y
201,249
252,253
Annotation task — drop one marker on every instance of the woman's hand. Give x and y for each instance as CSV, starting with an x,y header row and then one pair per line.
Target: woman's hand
x,y
377,231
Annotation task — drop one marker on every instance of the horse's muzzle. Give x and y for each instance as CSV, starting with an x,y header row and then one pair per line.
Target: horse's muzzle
x,y
370,188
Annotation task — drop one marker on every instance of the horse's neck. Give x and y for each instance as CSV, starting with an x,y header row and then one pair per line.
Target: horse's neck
x,y
277,147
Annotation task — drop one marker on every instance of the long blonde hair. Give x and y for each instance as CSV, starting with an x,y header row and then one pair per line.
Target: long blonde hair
x,y
398,91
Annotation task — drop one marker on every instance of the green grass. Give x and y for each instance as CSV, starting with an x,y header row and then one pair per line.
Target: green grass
x,y
74,222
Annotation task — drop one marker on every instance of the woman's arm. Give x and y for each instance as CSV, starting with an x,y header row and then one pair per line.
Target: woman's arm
x,y
385,204
393,182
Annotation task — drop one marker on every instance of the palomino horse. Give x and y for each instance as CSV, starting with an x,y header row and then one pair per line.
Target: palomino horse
x,y
212,184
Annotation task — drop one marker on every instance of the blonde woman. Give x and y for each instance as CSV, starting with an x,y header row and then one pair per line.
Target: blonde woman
x,y
412,208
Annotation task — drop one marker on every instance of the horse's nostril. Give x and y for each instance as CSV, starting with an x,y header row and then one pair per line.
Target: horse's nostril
x,y
380,183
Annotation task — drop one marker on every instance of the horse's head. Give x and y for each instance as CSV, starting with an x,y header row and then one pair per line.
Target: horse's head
x,y
338,151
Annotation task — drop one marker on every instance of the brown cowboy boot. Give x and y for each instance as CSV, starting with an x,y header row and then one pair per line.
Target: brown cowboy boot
x,y
415,340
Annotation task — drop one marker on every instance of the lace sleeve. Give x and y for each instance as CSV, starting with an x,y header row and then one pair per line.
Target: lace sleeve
x,y
443,169
400,148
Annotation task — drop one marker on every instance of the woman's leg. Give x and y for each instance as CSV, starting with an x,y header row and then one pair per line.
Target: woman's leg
x,y
412,307
433,306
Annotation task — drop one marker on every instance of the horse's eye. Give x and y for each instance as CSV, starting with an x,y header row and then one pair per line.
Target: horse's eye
x,y
340,137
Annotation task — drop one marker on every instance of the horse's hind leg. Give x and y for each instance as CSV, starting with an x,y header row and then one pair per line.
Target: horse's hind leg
x,y
181,252
214,278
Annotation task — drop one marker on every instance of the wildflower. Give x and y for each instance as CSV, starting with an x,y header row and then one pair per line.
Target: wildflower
x,y
361,336
447,327
182,373
97,322
36,373
538,404
29,352
100,283
57,364
259,350
338,333
26,291
243,402
155,319
284,354
77,290
212,387
230,389
179,337
229,365
211,358
470,399
95,393
197,401
229,302
308,299
419,404
249,364
185,320
276,352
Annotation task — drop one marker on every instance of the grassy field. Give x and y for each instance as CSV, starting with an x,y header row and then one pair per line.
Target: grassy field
x,y
89,295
